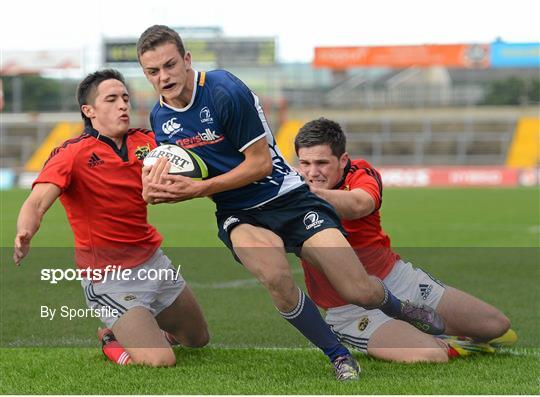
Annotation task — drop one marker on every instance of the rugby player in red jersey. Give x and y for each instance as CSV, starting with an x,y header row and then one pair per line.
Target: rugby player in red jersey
x,y
97,177
355,189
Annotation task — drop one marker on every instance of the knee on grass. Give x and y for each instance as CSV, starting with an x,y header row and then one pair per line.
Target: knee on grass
x,y
428,355
199,340
496,326
159,357
411,355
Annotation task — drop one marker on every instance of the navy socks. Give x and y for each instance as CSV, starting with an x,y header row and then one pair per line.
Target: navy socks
x,y
305,317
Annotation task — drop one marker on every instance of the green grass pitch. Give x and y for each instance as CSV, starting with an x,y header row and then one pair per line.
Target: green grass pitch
x,y
484,241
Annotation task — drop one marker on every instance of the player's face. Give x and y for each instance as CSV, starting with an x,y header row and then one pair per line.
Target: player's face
x,y
109,112
320,167
169,73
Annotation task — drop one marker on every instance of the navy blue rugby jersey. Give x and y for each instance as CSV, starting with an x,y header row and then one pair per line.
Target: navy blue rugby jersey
x,y
224,118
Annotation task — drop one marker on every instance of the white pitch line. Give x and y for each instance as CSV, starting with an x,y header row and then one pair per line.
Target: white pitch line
x,y
525,352
65,342
88,343
534,229
531,352
260,348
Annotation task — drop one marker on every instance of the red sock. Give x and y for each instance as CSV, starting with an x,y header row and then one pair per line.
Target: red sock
x,y
114,350
116,353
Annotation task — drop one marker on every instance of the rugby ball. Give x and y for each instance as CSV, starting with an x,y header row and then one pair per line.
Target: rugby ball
x,y
183,162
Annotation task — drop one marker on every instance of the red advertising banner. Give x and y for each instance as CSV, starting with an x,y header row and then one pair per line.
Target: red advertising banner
x,y
474,176
450,55
456,176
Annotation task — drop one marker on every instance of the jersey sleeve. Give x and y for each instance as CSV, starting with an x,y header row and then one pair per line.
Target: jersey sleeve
x,y
57,169
239,112
153,115
151,120
369,180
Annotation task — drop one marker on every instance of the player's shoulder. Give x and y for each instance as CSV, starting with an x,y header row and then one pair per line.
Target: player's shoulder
x,y
140,132
360,168
156,108
226,90
362,173
223,80
360,165
141,136
219,76
159,110
71,146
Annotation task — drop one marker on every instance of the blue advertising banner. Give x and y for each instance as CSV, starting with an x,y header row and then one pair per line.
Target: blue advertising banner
x,y
515,55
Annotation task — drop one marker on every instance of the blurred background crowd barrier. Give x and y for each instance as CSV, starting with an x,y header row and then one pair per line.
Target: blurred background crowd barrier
x,y
426,115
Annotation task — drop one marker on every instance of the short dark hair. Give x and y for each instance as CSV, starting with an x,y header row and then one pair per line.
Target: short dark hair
x,y
156,35
321,132
86,91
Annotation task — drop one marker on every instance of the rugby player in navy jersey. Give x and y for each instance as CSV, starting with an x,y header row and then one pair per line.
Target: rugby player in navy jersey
x,y
264,208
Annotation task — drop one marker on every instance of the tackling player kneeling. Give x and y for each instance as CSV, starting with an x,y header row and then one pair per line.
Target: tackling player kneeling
x,y
97,177
354,188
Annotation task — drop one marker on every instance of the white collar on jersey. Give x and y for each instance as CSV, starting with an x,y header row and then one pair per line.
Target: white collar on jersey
x,y
162,102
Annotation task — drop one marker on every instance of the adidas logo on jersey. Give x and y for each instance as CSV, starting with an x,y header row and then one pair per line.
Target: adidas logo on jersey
x,y
94,160
425,290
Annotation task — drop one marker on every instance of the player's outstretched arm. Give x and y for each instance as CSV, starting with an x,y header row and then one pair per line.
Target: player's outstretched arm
x,y
36,205
173,188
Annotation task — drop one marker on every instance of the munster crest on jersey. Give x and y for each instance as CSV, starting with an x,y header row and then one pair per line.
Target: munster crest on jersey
x,y
363,323
142,151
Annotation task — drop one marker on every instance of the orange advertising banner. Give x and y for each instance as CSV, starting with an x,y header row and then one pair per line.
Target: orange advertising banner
x,y
450,55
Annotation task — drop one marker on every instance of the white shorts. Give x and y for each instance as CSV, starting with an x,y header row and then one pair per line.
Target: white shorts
x,y
149,286
355,325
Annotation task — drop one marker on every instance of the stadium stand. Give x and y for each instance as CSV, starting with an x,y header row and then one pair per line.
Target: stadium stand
x,y
449,136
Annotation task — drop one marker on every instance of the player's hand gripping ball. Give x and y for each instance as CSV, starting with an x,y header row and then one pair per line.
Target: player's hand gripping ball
x,y
183,162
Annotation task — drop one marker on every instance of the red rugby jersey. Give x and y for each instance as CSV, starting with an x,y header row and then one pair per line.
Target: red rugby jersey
x,y
101,194
366,236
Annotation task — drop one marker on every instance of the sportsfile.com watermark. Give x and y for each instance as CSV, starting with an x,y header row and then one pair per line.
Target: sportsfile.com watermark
x,y
109,273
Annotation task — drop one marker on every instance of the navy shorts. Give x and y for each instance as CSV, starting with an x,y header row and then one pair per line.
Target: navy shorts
x,y
295,217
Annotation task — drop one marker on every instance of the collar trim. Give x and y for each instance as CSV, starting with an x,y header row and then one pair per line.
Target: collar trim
x,y
122,152
344,176
193,95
